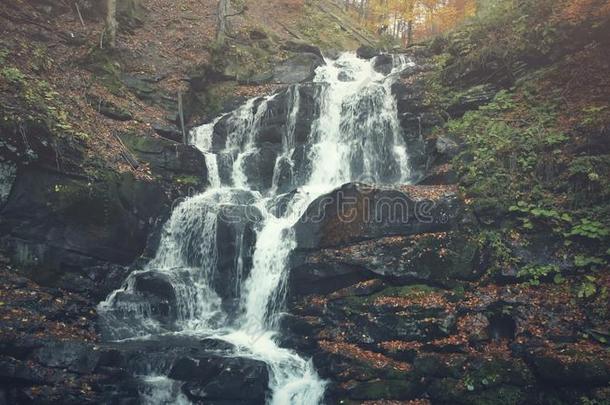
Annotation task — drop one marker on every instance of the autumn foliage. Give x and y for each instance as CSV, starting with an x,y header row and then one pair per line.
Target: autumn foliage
x,y
412,20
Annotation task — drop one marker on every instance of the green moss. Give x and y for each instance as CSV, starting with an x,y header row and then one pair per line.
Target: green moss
x,y
384,389
504,395
106,69
187,180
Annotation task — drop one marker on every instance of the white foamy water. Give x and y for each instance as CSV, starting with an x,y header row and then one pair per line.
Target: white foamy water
x,y
355,137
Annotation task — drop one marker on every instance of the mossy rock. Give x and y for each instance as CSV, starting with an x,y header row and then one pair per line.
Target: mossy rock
x,y
385,389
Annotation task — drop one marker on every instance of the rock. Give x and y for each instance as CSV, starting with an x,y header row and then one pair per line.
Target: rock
x,y
439,175
153,292
297,69
367,52
146,88
60,223
152,283
109,109
446,147
74,356
575,369
439,258
171,132
259,166
384,64
235,241
384,389
8,172
345,77
168,158
215,378
356,212
302,47
322,278
477,326
472,99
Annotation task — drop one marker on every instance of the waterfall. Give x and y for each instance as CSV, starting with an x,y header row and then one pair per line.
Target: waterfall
x,y
355,136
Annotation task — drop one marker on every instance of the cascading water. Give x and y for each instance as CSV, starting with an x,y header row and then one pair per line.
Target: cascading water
x,y
354,137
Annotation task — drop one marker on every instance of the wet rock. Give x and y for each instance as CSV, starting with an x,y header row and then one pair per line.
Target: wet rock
x,y
383,64
297,69
367,52
235,241
215,378
396,258
156,284
357,212
259,166
76,357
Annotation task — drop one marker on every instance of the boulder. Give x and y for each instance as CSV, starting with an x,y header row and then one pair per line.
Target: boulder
x,y
76,357
59,222
357,212
298,46
367,52
384,64
235,241
439,258
155,284
167,157
297,69
259,166
171,132
216,378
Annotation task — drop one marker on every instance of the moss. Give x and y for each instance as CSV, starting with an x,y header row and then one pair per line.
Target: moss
x,y
385,389
503,395
187,180
106,69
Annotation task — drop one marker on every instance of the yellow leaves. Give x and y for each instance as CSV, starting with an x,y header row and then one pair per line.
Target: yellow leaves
x,y
422,18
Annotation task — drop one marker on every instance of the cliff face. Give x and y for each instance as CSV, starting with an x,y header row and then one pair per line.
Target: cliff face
x,y
92,152
506,303
92,157
502,298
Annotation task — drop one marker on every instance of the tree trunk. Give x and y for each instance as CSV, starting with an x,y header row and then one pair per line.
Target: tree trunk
x,y
223,10
111,23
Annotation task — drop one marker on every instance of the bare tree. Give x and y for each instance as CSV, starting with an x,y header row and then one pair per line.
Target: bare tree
x,y
111,22
223,11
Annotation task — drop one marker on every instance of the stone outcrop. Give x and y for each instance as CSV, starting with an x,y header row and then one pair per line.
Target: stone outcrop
x,y
357,212
78,227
